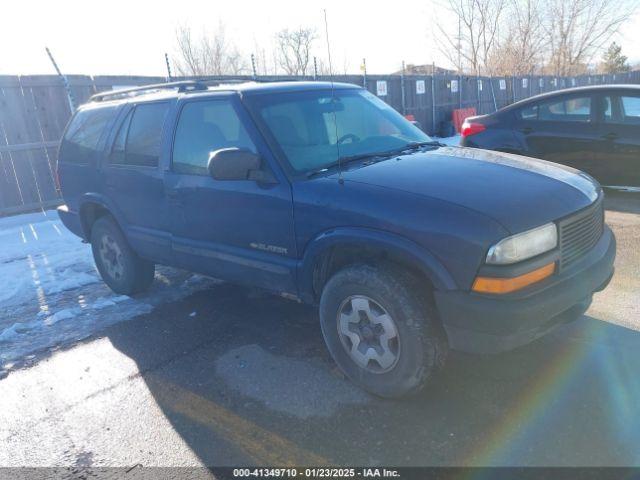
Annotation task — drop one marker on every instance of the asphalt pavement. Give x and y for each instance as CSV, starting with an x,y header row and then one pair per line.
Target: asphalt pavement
x,y
232,376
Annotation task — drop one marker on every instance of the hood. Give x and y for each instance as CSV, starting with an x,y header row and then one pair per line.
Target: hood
x,y
518,192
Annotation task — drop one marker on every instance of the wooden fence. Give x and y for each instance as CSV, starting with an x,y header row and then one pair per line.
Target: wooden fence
x,y
34,111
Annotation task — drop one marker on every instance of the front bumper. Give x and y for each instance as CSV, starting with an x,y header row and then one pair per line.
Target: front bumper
x,y
489,324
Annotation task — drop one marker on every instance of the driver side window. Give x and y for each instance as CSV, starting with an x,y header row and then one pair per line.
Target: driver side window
x,y
203,127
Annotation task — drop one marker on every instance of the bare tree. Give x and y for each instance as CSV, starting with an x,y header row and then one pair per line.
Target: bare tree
x,y
294,50
521,50
208,54
266,62
579,29
470,47
517,37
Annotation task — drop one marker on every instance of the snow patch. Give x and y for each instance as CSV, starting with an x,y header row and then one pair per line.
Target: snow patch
x,y
68,280
40,257
51,293
10,333
102,303
449,141
65,314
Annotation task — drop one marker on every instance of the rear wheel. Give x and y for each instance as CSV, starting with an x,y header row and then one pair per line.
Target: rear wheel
x,y
381,330
120,267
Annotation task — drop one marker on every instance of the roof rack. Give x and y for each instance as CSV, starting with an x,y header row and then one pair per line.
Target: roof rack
x,y
183,86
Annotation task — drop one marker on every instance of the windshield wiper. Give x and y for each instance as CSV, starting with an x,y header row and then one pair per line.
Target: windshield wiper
x,y
416,145
412,146
348,159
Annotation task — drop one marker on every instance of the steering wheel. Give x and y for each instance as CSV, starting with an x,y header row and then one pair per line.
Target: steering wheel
x,y
354,138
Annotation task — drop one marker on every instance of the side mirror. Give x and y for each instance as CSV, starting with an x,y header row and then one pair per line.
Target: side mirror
x,y
233,164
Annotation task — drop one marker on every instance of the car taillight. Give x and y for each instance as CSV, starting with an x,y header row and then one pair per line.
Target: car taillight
x,y
471,128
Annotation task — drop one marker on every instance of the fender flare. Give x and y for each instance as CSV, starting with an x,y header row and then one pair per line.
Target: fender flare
x,y
101,200
400,246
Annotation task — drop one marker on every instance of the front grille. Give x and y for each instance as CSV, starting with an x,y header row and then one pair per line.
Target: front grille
x,y
579,233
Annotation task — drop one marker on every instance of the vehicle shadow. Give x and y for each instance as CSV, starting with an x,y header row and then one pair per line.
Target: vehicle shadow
x,y
625,202
247,380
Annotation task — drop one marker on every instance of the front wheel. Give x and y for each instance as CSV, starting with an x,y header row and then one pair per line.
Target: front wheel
x,y
120,267
381,330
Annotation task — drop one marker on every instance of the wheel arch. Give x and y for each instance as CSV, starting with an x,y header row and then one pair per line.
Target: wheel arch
x,y
92,207
337,248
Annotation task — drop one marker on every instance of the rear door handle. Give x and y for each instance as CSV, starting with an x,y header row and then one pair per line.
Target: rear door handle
x,y
610,136
526,130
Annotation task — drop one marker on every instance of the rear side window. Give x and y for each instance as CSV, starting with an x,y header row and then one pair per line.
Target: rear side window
x,y
567,110
139,137
80,142
117,151
571,110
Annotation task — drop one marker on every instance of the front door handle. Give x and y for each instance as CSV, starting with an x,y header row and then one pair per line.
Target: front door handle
x,y
526,130
610,136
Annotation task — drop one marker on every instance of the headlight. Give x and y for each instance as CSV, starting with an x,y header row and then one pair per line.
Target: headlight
x,y
524,245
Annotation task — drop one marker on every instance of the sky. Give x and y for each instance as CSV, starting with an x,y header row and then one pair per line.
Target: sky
x,y
130,37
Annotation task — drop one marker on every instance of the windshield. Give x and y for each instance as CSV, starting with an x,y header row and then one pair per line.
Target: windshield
x,y
313,132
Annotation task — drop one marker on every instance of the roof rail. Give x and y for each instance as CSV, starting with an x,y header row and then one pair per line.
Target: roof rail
x,y
183,86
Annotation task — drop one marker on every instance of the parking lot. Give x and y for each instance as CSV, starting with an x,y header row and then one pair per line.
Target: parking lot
x,y
203,372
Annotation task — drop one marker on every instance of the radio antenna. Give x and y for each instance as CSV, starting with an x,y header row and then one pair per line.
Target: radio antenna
x,y
333,98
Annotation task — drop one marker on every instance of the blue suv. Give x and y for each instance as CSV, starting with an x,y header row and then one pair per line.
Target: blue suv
x,y
323,193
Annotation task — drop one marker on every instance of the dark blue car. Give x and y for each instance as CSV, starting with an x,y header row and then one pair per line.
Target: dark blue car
x,y
325,194
595,129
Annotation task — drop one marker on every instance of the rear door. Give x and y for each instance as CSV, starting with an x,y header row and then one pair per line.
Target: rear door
x,y
238,230
561,129
619,128
133,180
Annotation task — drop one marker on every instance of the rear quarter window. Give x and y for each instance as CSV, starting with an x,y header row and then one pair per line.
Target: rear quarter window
x,y
81,140
529,113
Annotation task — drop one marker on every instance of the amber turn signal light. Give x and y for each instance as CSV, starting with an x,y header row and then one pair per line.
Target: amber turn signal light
x,y
507,285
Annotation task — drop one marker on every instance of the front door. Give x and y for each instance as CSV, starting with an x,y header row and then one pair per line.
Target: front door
x,y
237,230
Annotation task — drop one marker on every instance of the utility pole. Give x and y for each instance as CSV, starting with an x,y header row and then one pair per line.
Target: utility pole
x,y
65,81
315,68
478,90
363,67
459,47
166,59
433,98
253,66
404,99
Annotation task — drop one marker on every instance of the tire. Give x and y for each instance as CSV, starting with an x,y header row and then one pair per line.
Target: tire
x,y
413,337
120,267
